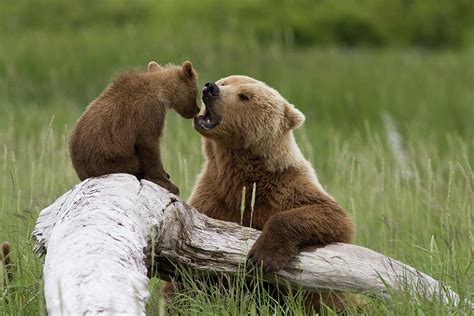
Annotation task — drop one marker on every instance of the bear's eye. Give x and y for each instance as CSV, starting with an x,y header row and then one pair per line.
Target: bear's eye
x,y
243,97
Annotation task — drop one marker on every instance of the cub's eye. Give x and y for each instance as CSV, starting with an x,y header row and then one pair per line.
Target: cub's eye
x,y
243,97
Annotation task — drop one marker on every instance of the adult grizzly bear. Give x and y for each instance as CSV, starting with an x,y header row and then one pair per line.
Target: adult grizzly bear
x,y
247,128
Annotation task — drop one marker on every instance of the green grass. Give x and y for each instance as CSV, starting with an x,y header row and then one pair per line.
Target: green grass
x,y
419,210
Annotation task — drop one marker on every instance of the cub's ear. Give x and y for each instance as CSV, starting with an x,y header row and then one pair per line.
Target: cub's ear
x,y
153,66
188,69
293,117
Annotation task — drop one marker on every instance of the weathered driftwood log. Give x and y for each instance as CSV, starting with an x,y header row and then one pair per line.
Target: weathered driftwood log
x,y
97,238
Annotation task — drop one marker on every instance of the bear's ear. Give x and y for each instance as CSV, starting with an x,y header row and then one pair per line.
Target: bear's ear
x,y
293,117
153,66
188,69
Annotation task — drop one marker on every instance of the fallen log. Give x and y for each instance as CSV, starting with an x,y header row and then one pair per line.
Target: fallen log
x,y
98,239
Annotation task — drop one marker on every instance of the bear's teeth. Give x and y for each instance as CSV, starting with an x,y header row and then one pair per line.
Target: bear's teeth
x,y
203,110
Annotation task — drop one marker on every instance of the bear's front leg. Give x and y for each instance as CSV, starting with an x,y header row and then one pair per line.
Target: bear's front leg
x,y
271,251
287,232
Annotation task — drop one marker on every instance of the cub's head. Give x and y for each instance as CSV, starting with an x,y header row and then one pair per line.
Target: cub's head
x,y
241,111
181,83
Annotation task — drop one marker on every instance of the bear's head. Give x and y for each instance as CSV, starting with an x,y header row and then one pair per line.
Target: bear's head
x,y
241,112
181,85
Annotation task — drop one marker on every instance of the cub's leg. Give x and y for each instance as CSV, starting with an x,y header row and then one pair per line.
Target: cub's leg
x,y
152,167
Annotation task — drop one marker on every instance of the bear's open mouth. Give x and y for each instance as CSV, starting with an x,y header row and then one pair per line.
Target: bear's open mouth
x,y
207,119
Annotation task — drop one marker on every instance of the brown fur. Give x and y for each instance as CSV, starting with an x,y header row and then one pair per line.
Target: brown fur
x,y
6,260
121,129
254,143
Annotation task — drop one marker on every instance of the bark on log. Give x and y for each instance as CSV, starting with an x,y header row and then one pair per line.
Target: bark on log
x,y
97,239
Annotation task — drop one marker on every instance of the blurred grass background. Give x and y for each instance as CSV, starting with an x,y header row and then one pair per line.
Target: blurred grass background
x,y
365,73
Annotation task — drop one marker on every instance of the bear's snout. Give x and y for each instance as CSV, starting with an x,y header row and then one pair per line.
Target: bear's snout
x,y
210,91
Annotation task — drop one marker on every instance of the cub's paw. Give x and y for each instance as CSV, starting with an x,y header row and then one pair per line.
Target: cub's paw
x,y
171,187
167,184
270,254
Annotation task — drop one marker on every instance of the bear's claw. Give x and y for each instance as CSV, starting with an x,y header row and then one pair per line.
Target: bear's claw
x,y
270,256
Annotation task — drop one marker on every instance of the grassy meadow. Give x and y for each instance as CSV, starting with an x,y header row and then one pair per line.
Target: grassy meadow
x,y
389,131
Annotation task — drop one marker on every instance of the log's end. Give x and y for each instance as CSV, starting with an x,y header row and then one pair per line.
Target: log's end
x,y
64,206
42,227
95,236
46,222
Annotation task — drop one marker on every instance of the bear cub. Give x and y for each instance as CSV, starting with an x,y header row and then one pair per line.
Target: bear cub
x,y
120,131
